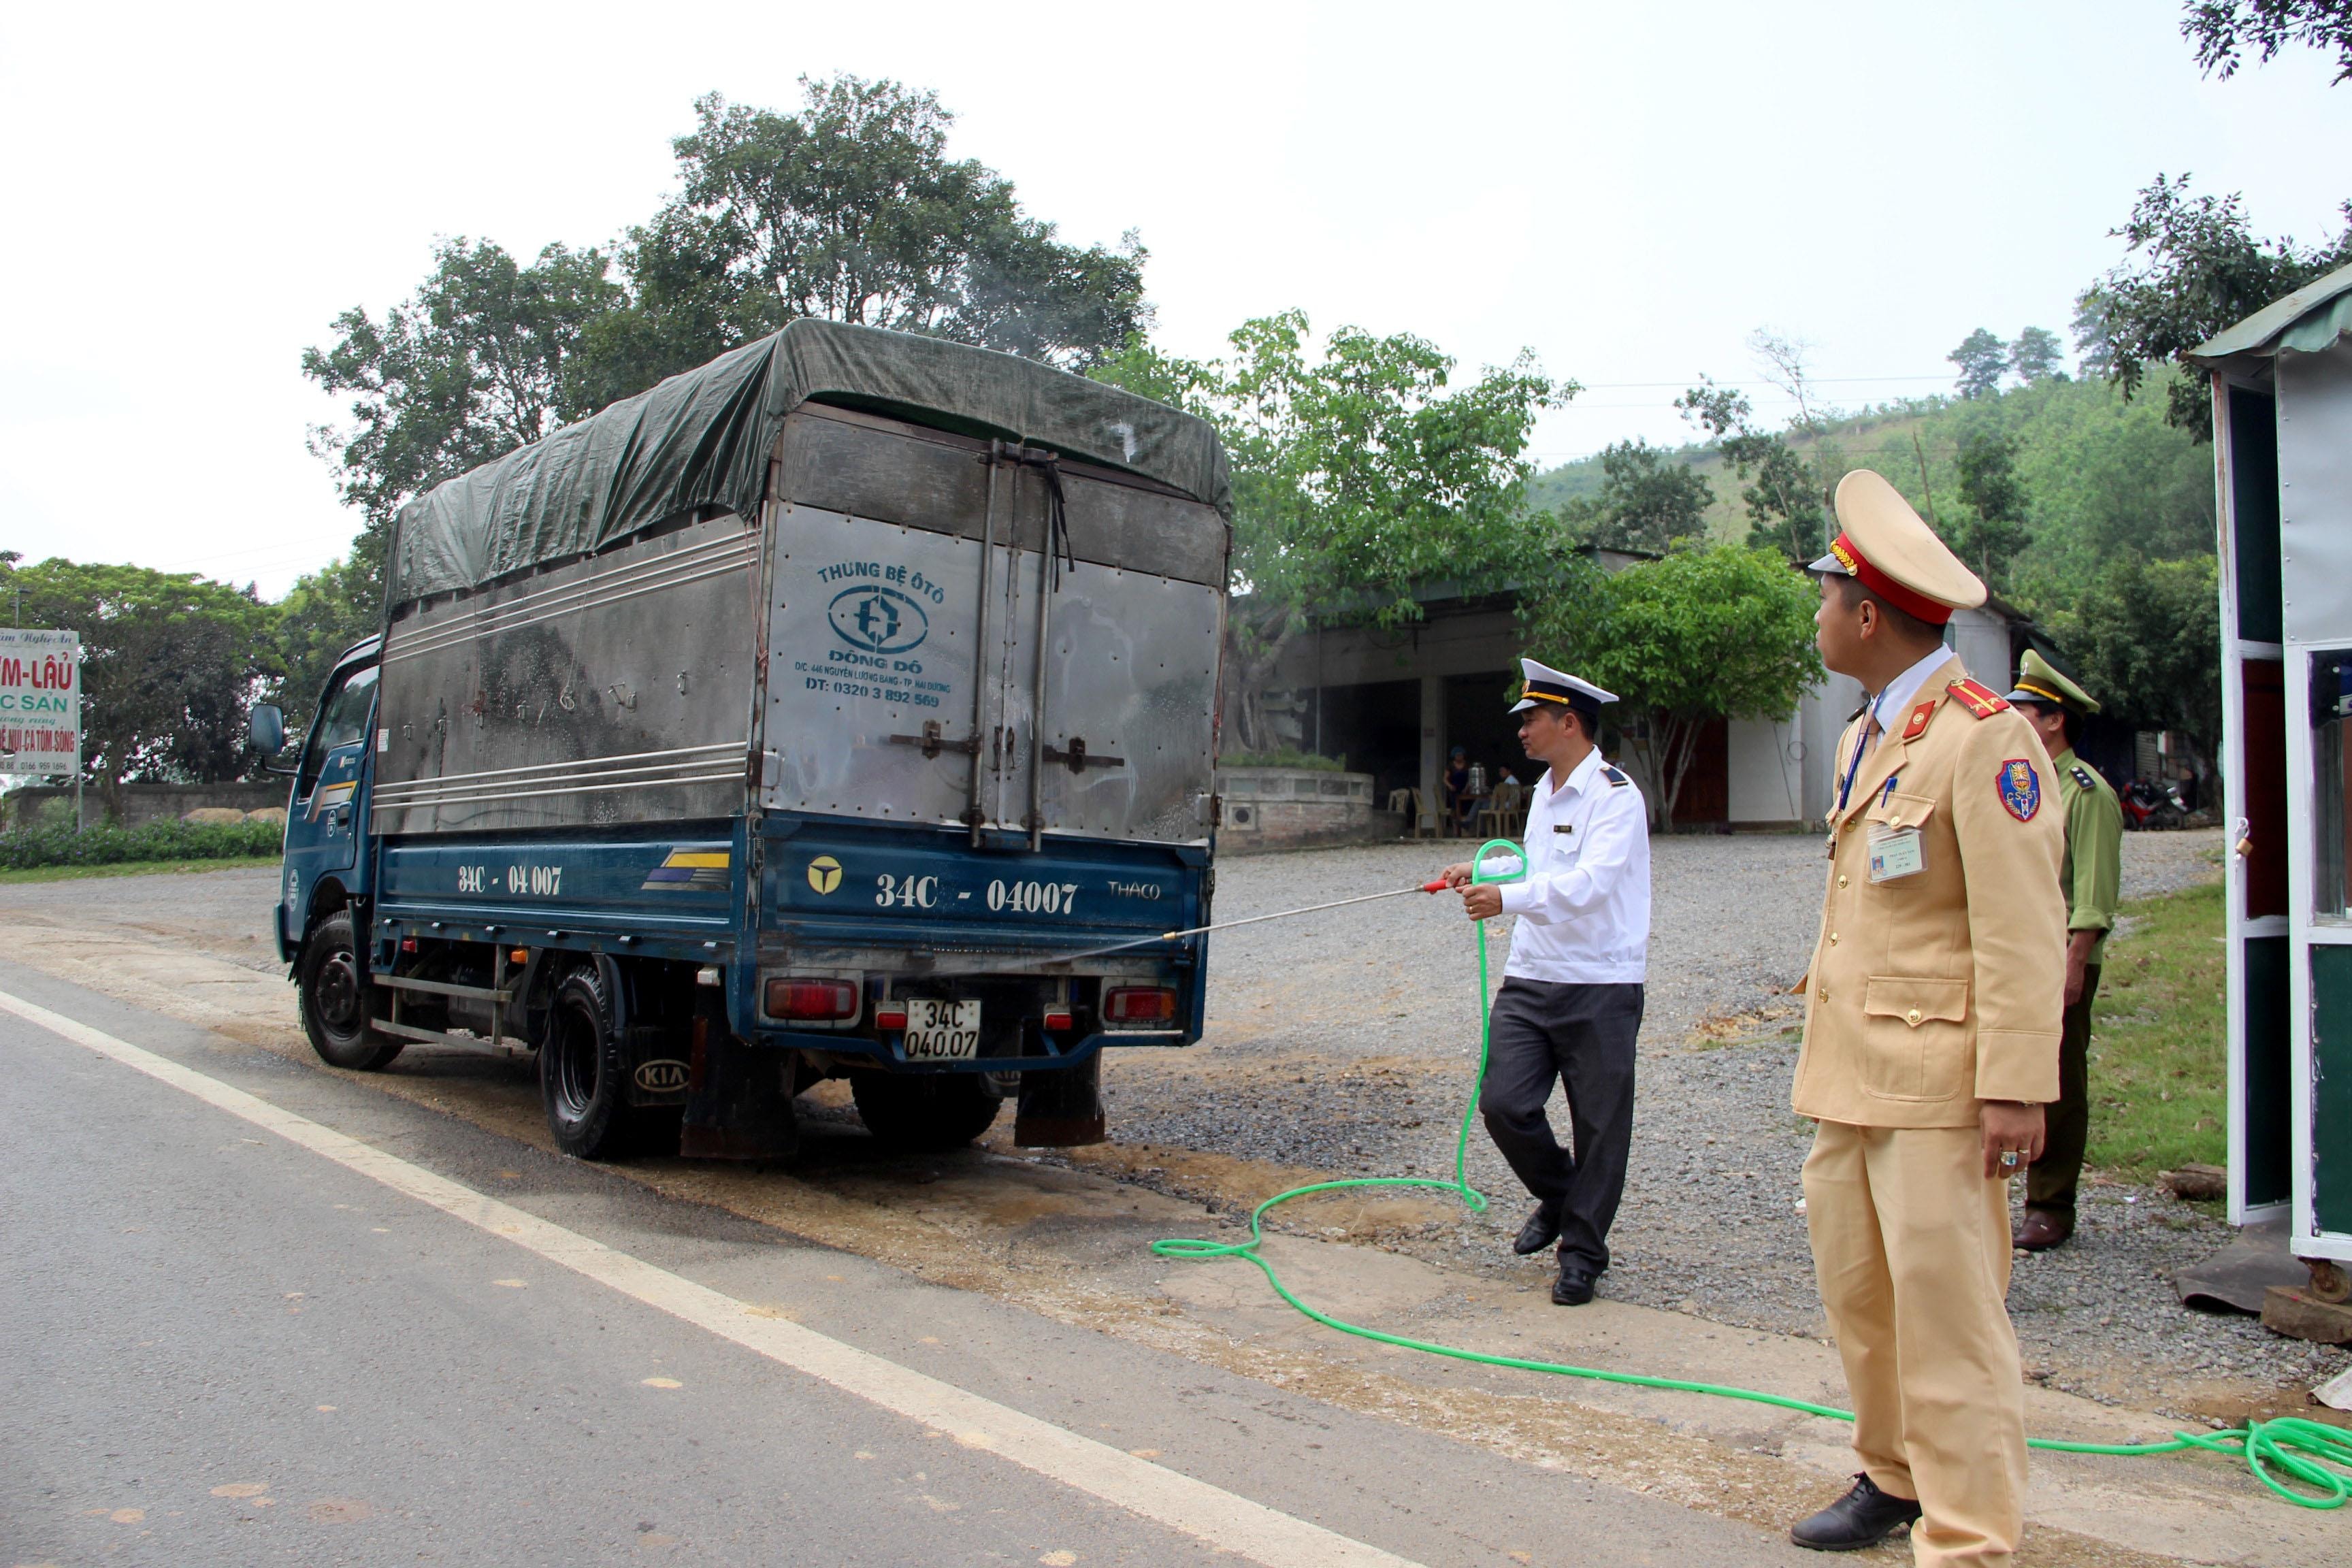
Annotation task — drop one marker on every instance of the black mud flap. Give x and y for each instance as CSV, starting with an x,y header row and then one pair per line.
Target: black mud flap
x,y
657,1074
738,1104
1061,1108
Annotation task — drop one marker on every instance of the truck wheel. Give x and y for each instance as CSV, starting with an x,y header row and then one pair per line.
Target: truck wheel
x,y
924,1112
331,983
583,1074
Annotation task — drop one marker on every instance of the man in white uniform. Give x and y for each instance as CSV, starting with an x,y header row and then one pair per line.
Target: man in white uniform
x,y
1571,998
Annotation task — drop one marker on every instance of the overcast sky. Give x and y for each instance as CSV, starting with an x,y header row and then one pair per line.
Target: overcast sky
x,y
191,193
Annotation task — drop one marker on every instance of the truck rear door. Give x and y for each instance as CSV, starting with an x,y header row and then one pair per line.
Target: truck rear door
x,y
918,576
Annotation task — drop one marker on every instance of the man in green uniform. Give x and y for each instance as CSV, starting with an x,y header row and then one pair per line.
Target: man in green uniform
x,y
2095,843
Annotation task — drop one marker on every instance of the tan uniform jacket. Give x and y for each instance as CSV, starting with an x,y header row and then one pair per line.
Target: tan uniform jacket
x,y
1932,992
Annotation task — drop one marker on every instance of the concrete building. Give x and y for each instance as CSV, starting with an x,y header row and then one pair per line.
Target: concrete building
x,y
1394,703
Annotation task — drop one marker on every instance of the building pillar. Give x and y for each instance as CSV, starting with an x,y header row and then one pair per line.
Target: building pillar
x,y
1432,740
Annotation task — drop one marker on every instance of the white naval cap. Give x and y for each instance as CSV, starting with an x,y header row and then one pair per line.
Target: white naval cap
x,y
1545,684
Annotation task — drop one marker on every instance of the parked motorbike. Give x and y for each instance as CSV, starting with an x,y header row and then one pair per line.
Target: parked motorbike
x,y
2151,806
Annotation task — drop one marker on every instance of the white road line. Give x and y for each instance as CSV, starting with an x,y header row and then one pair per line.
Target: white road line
x,y
1216,1516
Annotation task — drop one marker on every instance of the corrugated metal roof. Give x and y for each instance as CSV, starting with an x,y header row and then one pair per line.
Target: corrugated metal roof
x,y
2307,322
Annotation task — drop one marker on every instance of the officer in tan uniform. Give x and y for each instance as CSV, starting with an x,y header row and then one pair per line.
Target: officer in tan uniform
x,y
1931,1043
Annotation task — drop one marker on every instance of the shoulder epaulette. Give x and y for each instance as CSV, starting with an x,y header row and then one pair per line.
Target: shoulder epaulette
x,y
1616,780
2083,776
1980,700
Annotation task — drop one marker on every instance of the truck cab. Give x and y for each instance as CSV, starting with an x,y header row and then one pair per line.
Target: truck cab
x,y
325,879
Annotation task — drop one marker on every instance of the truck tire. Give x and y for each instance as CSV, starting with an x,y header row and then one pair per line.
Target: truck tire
x,y
331,985
583,1069
923,1112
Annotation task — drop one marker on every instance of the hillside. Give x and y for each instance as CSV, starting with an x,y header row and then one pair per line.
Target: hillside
x,y
2100,475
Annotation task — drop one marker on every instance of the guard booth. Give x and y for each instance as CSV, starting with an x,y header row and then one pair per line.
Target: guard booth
x,y
2281,386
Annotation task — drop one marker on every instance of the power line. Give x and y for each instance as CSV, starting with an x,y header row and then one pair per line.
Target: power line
x,y
1809,381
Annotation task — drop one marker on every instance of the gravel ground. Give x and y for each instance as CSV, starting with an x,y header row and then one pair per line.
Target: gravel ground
x,y
1345,1042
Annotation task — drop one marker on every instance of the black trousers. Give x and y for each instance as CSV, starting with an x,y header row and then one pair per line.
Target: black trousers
x,y
2050,1185
1584,1036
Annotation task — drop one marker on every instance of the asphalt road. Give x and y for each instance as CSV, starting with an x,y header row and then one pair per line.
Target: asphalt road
x,y
226,1347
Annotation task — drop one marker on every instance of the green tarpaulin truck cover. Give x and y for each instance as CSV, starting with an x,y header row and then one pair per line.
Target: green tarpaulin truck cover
x,y
703,440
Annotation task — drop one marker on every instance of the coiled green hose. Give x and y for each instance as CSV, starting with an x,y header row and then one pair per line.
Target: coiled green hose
x,y
2314,1455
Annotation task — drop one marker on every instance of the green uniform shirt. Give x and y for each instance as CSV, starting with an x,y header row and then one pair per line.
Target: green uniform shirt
x,y
2095,848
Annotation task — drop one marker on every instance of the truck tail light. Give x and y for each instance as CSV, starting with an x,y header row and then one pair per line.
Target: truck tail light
x,y
1138,1005
890,1014
1058,1020
817,1000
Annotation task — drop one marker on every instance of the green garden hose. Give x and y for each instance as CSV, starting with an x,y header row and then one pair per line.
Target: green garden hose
x,y
2316,1455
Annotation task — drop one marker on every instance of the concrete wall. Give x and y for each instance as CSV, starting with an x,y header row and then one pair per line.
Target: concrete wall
x,y
146,802
1766,769
1298,808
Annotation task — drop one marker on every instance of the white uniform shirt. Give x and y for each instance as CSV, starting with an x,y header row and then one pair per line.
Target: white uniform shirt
x,y
1584,909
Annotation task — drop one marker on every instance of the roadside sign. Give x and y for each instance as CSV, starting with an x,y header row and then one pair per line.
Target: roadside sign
x,y
40,701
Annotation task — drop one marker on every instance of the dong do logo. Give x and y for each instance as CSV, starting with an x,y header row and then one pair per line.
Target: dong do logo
x,y
878,619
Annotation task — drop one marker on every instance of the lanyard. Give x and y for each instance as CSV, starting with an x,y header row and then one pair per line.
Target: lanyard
x,y
1860,745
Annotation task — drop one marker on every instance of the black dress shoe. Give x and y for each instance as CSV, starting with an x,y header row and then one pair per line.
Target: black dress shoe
x,y
1864,1516
1574,1286
1540,1231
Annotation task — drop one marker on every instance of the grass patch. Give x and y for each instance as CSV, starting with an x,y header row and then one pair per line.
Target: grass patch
x,y
2160,1059
133,868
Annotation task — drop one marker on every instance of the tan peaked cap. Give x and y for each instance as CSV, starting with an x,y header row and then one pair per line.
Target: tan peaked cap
x,y
1885,546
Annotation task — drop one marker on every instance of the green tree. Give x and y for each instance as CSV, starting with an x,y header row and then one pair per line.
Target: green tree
x,y
1996,528
1360,476
318,619
1700,635
1787,497
483,358
2220,28
848,209
1983,359
852,210
1649,500
2038,356
2146,638
2203,269
170,666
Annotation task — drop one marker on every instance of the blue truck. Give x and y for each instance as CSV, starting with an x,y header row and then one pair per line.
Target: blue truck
x,y
844,708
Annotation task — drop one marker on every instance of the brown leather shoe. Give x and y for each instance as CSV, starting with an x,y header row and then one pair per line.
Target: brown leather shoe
x,y
2043,1230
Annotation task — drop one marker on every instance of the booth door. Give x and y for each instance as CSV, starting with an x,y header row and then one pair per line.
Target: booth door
x,y
2254,779
2314,492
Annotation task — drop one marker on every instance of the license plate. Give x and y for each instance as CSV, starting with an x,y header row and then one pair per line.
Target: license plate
x,y
941,1031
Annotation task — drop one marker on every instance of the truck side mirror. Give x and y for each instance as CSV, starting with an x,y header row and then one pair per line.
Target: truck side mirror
x,y
269,725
